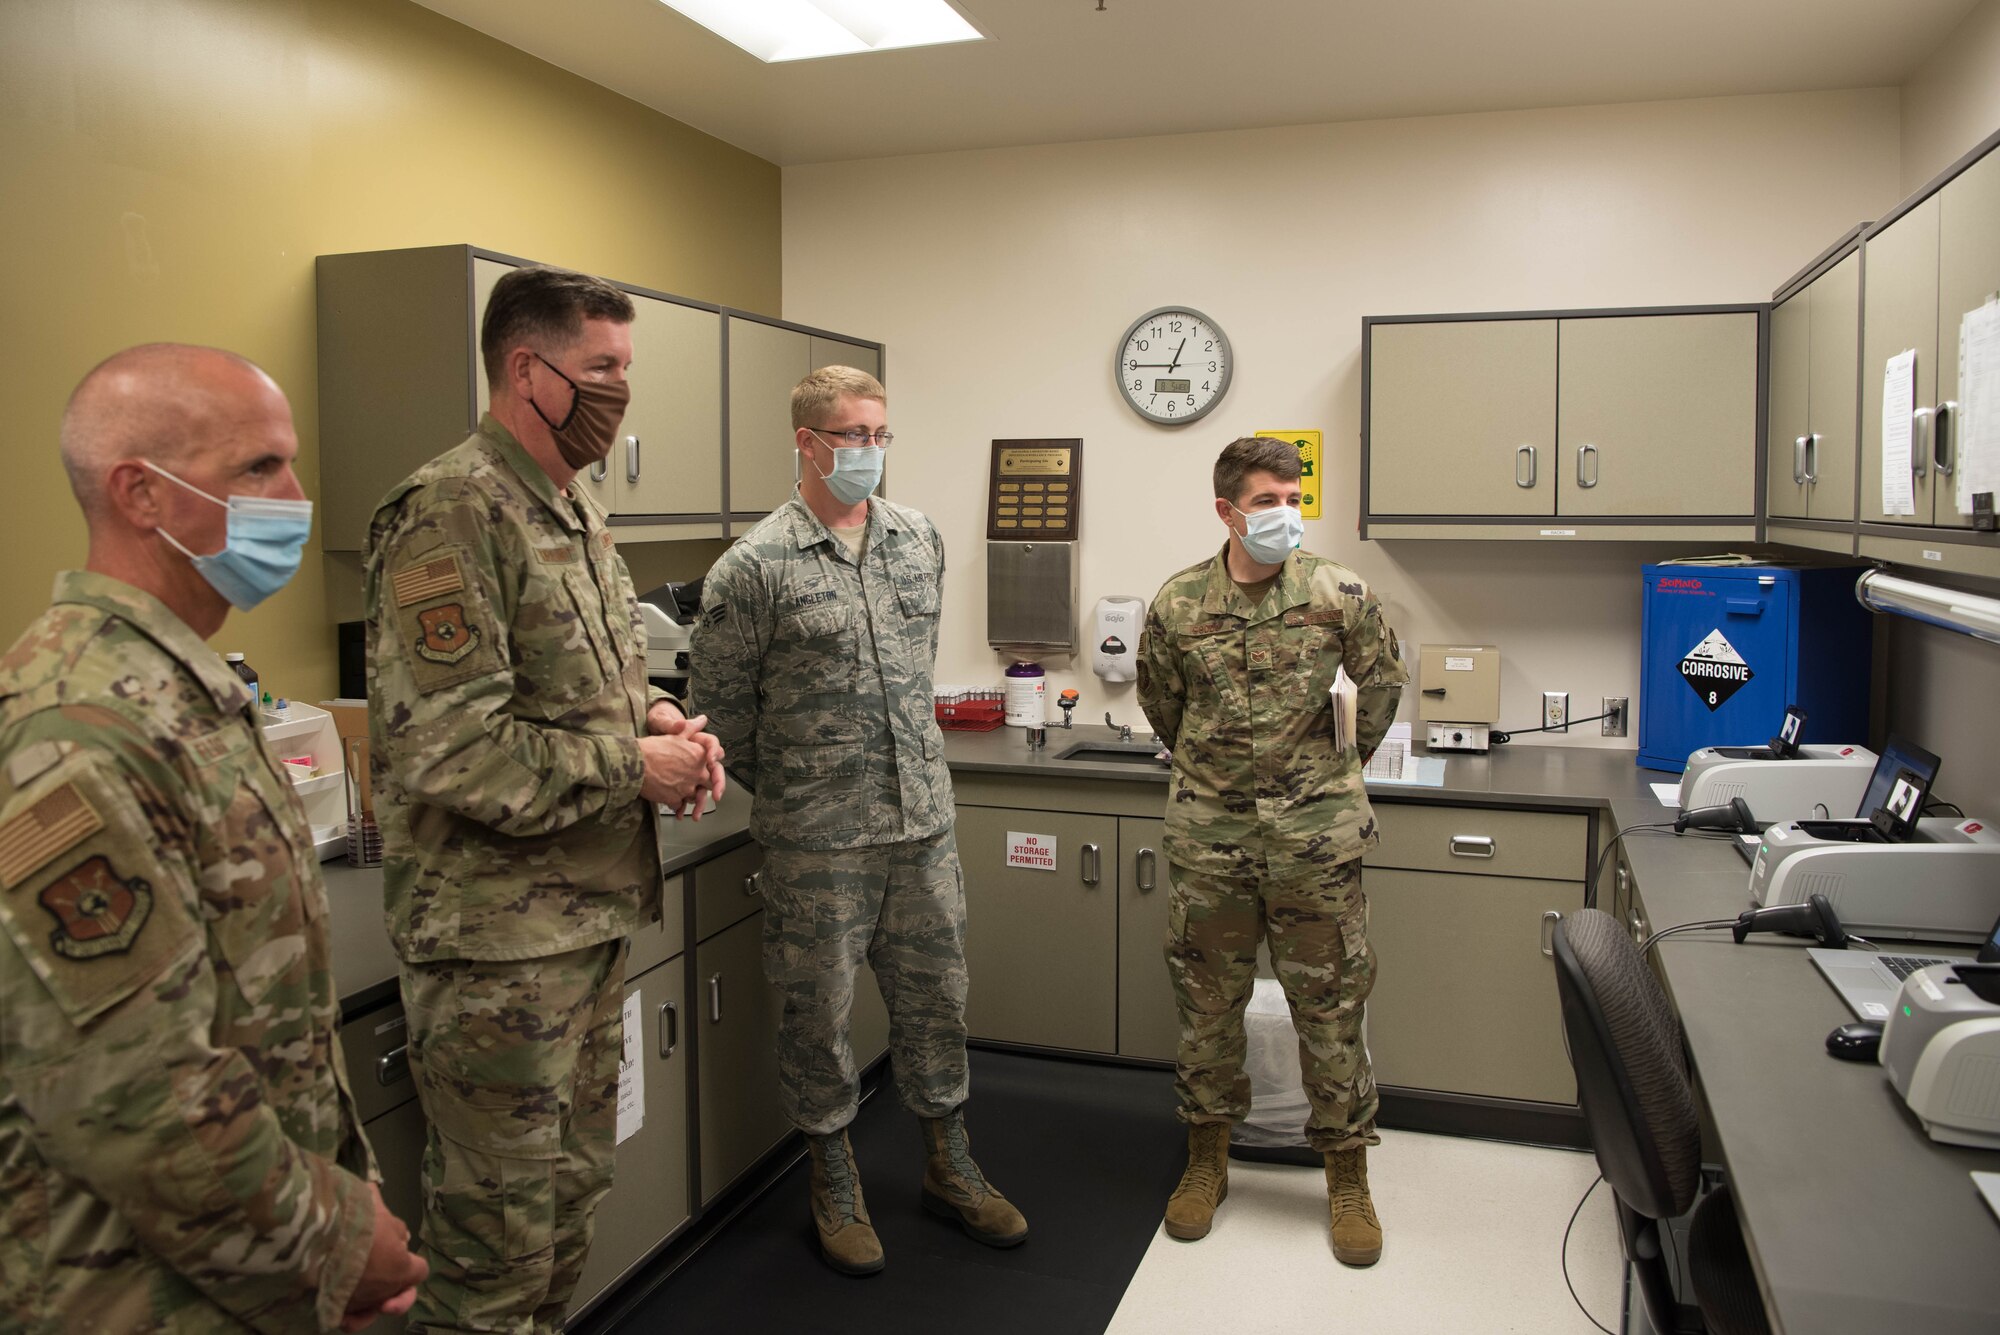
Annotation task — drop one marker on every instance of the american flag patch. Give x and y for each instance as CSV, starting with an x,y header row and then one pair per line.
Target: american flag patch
x,y
60,821
428,580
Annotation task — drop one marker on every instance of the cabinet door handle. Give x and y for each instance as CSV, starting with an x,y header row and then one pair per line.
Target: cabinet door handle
x,y
1549,921
393,1067
1145,867
715,998
750,884
600,470
1091,869
1799,461
1525,454
1473,846
1941,428
1624,878
631,458
1586,454
1920,431
670,1029
1638,927
1812,458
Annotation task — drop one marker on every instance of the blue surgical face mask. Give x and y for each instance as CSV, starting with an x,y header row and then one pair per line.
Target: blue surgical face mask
x,y
857,471
1271,535
267,539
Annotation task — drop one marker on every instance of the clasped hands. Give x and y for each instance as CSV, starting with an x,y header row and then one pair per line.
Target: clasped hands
x,y
682,760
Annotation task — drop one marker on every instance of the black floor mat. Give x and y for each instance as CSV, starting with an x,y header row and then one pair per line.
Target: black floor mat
x,y
1089,1153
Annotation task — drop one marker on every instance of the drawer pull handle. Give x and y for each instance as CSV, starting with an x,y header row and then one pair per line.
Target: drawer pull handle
x,y
1799,461
1473,846
600,470
1092,871
1549,921
670,1029
631,458
1638,927
1146,867
1524,477
1943,456
1586,454
750,884
715,999
393,1067
1812,458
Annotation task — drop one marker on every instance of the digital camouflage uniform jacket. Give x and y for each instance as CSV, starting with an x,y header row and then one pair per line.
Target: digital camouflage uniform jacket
x,y
1239,691
815,674
507,692
178,1147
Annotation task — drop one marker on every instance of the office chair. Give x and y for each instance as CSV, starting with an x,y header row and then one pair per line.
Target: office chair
x,y
1632,1082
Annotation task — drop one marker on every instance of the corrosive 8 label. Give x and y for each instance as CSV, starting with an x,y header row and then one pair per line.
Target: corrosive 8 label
x,y
1034,851
1715,670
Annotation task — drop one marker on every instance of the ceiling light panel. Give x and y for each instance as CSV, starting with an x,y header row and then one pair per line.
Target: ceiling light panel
x,y
781,30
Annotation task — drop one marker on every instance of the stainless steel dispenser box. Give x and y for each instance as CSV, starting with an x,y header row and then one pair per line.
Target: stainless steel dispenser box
x,y
1031,596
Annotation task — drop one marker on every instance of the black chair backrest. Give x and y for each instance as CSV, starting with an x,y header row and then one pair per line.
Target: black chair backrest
x,y
1631,1066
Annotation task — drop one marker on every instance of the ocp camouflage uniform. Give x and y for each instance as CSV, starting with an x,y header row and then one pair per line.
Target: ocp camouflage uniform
x,y
1267,821
815,673
507,692
179,1151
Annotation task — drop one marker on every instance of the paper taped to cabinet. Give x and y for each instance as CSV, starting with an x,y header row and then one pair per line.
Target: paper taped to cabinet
x,y
1978,424
1899,406
632,1072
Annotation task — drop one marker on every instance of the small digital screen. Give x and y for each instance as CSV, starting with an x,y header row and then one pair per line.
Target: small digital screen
x,y
1790,732
1172,386
1904,776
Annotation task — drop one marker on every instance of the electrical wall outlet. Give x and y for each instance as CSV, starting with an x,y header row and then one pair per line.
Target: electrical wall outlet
x,y
1616,711
1555,711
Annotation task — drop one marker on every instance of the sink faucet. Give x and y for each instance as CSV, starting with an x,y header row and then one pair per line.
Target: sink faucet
x,y
1124,729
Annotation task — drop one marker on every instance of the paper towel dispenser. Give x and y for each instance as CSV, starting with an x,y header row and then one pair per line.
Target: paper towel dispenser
x,y
1031,596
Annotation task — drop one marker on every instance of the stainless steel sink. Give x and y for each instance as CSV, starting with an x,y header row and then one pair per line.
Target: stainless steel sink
x,y
1115,753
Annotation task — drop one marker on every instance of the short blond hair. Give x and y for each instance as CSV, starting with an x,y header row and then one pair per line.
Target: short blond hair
x,y
814,397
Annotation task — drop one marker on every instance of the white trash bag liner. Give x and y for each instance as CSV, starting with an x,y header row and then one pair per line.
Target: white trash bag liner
x,y
1278,1107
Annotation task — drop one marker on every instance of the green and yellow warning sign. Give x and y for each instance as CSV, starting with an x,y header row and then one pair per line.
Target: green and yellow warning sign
x,y
1310,472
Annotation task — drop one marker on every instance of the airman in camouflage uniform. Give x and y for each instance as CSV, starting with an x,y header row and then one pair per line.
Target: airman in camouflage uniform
x,y
179,1151
1266,823
812,661
509,715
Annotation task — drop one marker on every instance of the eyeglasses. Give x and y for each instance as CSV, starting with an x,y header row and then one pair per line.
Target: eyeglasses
x,y
856,437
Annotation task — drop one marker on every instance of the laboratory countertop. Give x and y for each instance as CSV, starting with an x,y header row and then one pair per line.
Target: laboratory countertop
x,y
1856,1221
1511,776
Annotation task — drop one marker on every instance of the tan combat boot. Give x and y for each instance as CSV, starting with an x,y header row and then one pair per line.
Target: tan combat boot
x,y
956,1189
1205,1184
846,1239
1357,1233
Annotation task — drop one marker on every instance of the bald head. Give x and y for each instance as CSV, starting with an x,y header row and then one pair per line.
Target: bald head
x,y
163,402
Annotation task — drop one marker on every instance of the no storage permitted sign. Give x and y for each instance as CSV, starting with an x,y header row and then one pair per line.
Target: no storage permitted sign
x,y
1036,851
1715,670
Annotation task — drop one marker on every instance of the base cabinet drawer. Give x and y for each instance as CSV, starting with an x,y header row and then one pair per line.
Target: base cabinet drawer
x,y
1484,841
738,1013
1465,1000
725,890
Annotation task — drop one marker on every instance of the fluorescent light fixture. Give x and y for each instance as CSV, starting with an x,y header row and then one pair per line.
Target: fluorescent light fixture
x,y
778,30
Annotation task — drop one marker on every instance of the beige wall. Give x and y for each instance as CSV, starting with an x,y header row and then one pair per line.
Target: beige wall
x,y
1001,281
1941,685
1952,100
173,166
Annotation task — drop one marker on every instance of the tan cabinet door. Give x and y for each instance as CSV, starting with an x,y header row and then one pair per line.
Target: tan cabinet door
x,y
1785,489
1462,418
1968,273
649,1194
1657,415
668,457
765,362
485,273
1901,301
1465,1001
737,1013
1041,946
1834,397
1148,1020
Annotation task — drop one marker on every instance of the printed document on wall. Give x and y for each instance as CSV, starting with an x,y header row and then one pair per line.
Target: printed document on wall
x,y
632,1073
1899,405
1978,426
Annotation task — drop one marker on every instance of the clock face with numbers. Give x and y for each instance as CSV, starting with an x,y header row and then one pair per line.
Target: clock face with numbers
x,y
1173,365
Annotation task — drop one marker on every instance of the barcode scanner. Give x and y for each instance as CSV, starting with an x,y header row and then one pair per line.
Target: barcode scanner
x,y
1735,816
1814,918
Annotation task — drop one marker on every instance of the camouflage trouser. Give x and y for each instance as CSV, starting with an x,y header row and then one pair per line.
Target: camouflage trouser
x,y
902,906
517,1070
1317,930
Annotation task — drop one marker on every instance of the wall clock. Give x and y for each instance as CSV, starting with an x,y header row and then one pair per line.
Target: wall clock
x,y
1173,365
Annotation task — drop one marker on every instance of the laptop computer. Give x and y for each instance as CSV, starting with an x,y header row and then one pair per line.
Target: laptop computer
x,y
1869,983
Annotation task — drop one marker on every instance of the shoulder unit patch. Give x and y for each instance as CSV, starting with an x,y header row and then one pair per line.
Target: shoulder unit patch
x,y
445,637
97,911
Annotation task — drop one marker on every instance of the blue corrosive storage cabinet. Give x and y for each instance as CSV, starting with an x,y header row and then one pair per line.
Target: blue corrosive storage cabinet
x,y
1725,648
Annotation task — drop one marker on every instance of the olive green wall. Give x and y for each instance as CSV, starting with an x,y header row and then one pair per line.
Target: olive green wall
x,y
173,166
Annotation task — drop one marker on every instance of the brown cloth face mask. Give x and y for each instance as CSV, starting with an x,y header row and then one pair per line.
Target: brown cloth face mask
x,y
586,431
